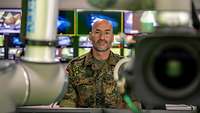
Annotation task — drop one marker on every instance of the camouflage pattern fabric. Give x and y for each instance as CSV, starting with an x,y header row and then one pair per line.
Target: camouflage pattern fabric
x,y
91,83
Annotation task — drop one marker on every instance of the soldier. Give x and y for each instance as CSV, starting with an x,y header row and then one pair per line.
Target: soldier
x,y
91,82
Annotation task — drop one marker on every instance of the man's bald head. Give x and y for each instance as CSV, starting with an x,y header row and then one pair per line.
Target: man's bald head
x,y
102,23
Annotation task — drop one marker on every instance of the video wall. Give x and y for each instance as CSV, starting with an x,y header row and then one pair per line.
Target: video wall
x,y
73,27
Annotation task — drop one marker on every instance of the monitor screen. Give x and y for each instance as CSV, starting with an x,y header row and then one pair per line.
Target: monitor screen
x,y
117,42
132,22
65,22
1,40
67,52
135,22
84,41
13,40
12,52
64,54
2,52
64,41
87,18
82,51
128,52
128,40
10,20
116,50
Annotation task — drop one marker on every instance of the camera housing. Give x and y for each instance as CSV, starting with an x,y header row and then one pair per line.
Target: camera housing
x,y
166,68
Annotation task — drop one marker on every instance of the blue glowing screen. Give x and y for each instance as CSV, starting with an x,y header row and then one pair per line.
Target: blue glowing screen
x,y
65,22
87,18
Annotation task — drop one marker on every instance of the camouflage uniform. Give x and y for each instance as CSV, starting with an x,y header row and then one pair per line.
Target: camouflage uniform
x,y
91,83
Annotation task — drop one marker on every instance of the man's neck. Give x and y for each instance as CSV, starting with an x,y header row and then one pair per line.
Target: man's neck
x,y
101,55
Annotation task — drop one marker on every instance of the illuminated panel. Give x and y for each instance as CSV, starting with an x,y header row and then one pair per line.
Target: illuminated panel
x,y
87,18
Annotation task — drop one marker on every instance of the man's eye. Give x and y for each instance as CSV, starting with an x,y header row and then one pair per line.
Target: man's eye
x,y
107,33
97,32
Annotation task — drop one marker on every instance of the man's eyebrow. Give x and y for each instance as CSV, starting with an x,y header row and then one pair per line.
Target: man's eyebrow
x,y
105,30
97,30
108,30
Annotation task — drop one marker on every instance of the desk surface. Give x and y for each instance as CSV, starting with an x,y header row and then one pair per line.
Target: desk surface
x,y
89,110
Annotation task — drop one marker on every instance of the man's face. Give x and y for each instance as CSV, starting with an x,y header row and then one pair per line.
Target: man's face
x,y
102,36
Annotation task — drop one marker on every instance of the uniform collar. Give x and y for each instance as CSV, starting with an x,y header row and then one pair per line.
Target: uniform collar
x,y
89,60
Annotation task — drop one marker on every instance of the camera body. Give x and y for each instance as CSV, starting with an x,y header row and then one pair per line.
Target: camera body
x,y
166,68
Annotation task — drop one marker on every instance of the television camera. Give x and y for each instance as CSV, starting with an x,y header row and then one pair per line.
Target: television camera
x,y
166,67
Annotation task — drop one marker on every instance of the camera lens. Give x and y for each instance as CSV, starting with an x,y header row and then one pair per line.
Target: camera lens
x,y
175,68
172,70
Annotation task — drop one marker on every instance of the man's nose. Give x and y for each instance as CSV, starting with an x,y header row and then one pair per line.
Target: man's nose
x,y
102,36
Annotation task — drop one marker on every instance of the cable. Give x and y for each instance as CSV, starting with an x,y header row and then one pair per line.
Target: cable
x,y
130,104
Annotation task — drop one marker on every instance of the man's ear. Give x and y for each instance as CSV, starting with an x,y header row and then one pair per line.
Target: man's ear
x,y
113,37
90,36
